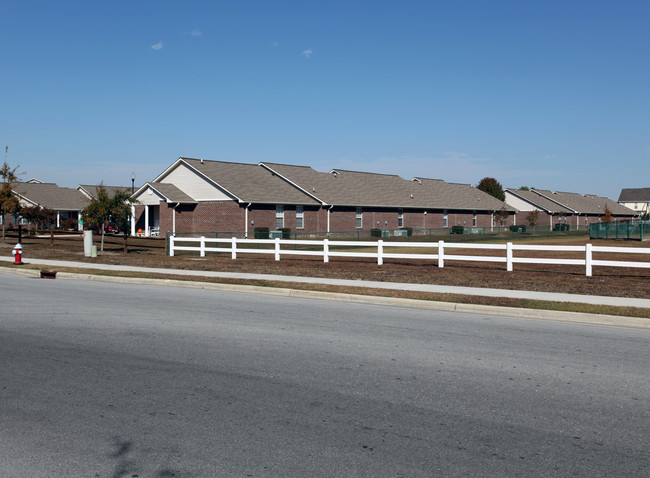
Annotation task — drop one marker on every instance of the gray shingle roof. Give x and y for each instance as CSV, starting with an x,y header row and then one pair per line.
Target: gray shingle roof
x,y
91,189
250,182
51,196
540,201
353,188
439,194
586,203
634,195
171,193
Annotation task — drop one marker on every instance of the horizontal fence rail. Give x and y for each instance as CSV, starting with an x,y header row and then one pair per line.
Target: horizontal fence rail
x,y
378,250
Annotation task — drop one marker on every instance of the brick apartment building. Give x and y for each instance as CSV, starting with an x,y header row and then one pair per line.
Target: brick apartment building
x,y
195,196
564,208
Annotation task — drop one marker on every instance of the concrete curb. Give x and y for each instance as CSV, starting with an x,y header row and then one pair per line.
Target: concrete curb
x,y
537,314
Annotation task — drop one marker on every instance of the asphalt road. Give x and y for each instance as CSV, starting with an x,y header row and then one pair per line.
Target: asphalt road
x,y
110,380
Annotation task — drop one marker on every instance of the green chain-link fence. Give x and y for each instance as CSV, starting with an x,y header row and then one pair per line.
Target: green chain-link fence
x,y
638,230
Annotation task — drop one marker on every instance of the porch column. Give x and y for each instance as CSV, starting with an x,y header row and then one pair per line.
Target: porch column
x,y
174,218
329,211
58,219
246,222
79,222
147,229
133,219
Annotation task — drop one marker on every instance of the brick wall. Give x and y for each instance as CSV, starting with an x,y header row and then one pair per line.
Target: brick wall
x,y
213,216
229,216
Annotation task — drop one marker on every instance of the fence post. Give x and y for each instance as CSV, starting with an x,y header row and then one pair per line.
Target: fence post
x,y
171,245
326,250
380,252
277,248
233,248
509,256
202,246
441,254
588,260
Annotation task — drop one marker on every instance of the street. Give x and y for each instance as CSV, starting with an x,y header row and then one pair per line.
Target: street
x,y
121,380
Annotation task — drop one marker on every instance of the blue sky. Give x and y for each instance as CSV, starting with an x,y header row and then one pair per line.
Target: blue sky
x,y
552,94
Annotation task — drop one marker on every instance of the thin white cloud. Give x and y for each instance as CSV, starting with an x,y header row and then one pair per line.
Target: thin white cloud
x,y
157,46
307,53
196,32
550,156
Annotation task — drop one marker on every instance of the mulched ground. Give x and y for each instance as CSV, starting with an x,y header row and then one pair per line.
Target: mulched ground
x,y
147,252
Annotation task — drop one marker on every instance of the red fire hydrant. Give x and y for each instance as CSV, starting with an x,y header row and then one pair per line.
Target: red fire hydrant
x,y
18,254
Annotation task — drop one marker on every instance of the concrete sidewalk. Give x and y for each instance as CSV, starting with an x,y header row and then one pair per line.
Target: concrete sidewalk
x,y
440,289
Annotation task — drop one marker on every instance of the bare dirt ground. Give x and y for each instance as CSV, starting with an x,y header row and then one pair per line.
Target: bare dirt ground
x,y
150,252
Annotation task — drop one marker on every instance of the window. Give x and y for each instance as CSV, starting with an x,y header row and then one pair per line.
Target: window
x,y
445,219
300,217
474,220
400,218
359,218
279,217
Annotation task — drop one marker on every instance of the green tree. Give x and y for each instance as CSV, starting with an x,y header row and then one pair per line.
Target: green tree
x,y
104,208
492,187
9,203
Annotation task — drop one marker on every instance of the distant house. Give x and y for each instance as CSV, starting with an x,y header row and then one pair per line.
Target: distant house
x,y
195,195
573,209
66,202
637,199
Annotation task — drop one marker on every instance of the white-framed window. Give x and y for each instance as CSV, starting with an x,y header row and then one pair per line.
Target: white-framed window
x,y
279,217
300,217
474,220
400,218
359,218
445,219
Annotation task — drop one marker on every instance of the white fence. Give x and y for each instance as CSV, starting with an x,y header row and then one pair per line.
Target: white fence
x,y
325,249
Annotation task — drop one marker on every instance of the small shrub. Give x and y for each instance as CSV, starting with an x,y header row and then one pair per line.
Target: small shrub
x,y
261,233
286,232
457,230
69,224
375,232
